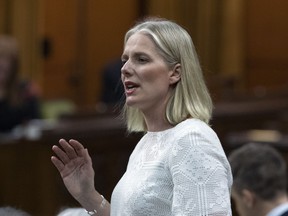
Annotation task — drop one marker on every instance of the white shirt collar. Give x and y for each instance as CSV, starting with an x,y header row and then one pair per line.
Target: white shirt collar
x,y
279,210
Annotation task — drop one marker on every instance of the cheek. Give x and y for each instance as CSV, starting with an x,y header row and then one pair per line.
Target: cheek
x,y
156,76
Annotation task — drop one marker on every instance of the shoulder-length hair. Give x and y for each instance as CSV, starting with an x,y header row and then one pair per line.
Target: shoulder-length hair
x,y
190,97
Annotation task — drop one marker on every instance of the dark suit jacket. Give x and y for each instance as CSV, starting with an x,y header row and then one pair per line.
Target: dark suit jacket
x,y
284,214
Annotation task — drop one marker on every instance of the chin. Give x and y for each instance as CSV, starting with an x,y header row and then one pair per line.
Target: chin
x,y
133,104
131,101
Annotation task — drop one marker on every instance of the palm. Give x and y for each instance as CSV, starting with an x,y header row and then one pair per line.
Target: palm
x,y
75,167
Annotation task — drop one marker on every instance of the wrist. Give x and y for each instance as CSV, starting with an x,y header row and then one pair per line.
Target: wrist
x,y
101,207
91,201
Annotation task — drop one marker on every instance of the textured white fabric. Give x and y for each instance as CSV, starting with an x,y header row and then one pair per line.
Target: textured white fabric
x,y
179,171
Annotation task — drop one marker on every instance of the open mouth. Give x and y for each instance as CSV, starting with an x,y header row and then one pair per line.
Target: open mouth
x,y
130,87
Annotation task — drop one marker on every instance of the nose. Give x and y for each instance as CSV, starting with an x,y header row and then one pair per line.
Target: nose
x,y
126,69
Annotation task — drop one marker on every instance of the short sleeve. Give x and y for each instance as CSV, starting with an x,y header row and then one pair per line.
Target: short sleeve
x,y
201,175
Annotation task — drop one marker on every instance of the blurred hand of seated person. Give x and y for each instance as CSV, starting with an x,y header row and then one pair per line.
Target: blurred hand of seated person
x,y
260,181
73,211
11,211
18,99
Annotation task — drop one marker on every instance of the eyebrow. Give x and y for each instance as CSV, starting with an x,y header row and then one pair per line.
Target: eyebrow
x,y
135,54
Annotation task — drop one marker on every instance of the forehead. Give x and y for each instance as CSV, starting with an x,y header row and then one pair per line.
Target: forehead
x,y
139,42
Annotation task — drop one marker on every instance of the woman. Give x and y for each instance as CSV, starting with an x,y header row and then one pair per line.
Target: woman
x,y
179,166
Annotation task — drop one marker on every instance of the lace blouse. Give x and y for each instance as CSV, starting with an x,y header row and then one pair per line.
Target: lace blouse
x,y
179,171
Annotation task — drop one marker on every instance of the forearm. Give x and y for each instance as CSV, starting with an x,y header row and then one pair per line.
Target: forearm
x,y
95,203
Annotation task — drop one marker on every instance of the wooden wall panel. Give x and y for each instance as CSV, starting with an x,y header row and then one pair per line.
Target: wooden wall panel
x,y
60,31
232,37
21,19
83,41
25,27
267,44
3,16
107,24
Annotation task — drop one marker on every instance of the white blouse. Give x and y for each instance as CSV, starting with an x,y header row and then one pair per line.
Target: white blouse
x,y
179,171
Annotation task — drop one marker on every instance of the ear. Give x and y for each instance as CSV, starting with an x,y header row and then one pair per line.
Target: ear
x,y
248,198
175,74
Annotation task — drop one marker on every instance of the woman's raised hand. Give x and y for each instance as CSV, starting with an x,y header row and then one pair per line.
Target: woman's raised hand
x,y
75,167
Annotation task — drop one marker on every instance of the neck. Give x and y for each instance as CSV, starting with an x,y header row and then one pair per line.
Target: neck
x,y
155,119
156,123
155,116
264,207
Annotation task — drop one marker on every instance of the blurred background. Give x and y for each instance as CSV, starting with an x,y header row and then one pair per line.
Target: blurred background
x,y
66,48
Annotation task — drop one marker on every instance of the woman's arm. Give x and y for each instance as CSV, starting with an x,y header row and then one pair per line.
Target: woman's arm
x,y
201,176
75,167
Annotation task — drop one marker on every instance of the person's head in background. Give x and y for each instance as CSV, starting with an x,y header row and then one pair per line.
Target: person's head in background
x,y
72,212
11,211
260,180
8,66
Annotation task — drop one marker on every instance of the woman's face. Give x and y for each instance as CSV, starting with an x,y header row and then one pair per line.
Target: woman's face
x,y
146,77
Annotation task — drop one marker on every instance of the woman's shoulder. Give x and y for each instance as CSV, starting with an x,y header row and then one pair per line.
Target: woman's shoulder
x,y
196,134
193,126
197,140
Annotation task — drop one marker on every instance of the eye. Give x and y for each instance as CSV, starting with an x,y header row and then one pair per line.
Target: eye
x,y
142,59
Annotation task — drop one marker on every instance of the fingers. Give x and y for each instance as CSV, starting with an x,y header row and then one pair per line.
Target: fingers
x,y
68,148
61,154
57,163
69,151
78,147
80,150
70,155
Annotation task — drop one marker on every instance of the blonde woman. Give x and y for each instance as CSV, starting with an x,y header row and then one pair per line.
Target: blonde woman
x,y
179,166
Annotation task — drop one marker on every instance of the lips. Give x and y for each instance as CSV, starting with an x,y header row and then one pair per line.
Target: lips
x,y
130,87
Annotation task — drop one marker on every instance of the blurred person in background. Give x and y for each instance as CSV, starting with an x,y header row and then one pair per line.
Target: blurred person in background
x,y
112,91
260,181
18,99
11,211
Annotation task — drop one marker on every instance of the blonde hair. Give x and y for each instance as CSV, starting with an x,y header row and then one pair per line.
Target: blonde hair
x,y
190,97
